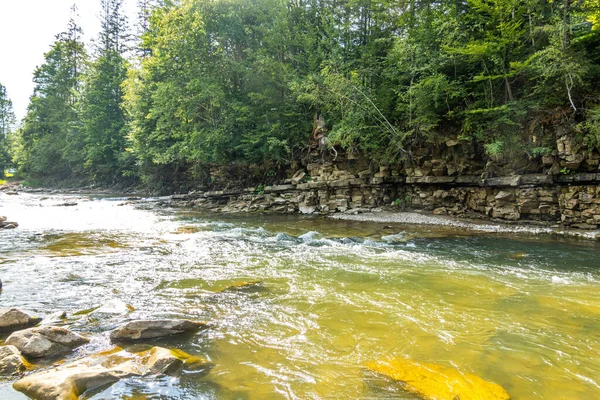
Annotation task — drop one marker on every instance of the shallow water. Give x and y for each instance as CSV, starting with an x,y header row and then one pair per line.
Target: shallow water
x,y
523,312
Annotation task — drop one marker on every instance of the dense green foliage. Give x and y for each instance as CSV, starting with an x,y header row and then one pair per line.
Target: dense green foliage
x,y
7,121
216,82
50,135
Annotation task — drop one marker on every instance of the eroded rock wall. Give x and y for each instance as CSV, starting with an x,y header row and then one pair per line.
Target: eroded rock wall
x,y
561,186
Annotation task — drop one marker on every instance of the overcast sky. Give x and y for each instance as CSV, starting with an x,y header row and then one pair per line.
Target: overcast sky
x,y
27,29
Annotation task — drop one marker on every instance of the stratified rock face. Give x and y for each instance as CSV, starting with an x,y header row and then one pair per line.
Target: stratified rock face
x,y
70,381
150,329
11,362
45,341
12,319
434,382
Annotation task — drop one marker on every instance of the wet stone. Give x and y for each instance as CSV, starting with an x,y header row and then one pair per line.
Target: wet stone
x,y
11,361
45,341
12,319
435,382
151,329
68,382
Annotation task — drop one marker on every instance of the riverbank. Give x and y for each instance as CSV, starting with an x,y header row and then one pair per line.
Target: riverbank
x,y
420,218
279,200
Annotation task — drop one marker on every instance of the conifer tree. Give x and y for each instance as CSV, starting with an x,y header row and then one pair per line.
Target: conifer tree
x,y
102,116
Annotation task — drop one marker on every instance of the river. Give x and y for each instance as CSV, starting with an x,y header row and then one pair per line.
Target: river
x,y
521,311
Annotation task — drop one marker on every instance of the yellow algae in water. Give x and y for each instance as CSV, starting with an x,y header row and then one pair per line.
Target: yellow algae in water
x,y
186,230
518,256
434,382
77,244
86,311
193,363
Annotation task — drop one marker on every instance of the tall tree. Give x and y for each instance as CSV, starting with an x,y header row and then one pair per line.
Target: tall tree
x,y
7,121
51,133
214,89
102,116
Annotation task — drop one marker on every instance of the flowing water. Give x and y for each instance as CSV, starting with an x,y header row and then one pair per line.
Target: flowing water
x,y
523,312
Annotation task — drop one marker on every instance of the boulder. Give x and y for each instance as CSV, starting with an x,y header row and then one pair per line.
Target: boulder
x,y
12,319
430,381
68,382
45,341
151,329
11,361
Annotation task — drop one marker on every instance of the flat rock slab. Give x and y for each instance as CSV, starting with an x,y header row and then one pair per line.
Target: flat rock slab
x,y
11,361
45,341
435,382
151,329
12,319
70,381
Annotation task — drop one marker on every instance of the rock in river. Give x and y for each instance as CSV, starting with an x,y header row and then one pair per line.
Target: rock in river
x,y
68,382
150,329
243,287
12,319
4,224
45,341
11,361
434,382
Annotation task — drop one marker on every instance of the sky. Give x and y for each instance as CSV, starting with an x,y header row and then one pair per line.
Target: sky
x,y
28,28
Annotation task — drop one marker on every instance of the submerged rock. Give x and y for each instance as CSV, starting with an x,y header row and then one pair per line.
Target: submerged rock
x,y
70,381
67,204
186,230
45,341
241,287
11,361
151,329
434,382
113,307
55,318
12,319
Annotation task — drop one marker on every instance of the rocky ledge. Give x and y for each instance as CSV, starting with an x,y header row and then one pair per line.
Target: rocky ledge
x,y
568,200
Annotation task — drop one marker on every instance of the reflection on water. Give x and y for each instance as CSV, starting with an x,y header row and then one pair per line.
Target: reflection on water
x,y
321,298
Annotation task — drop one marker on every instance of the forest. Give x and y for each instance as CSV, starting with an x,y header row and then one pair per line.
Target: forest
x,y
194,84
